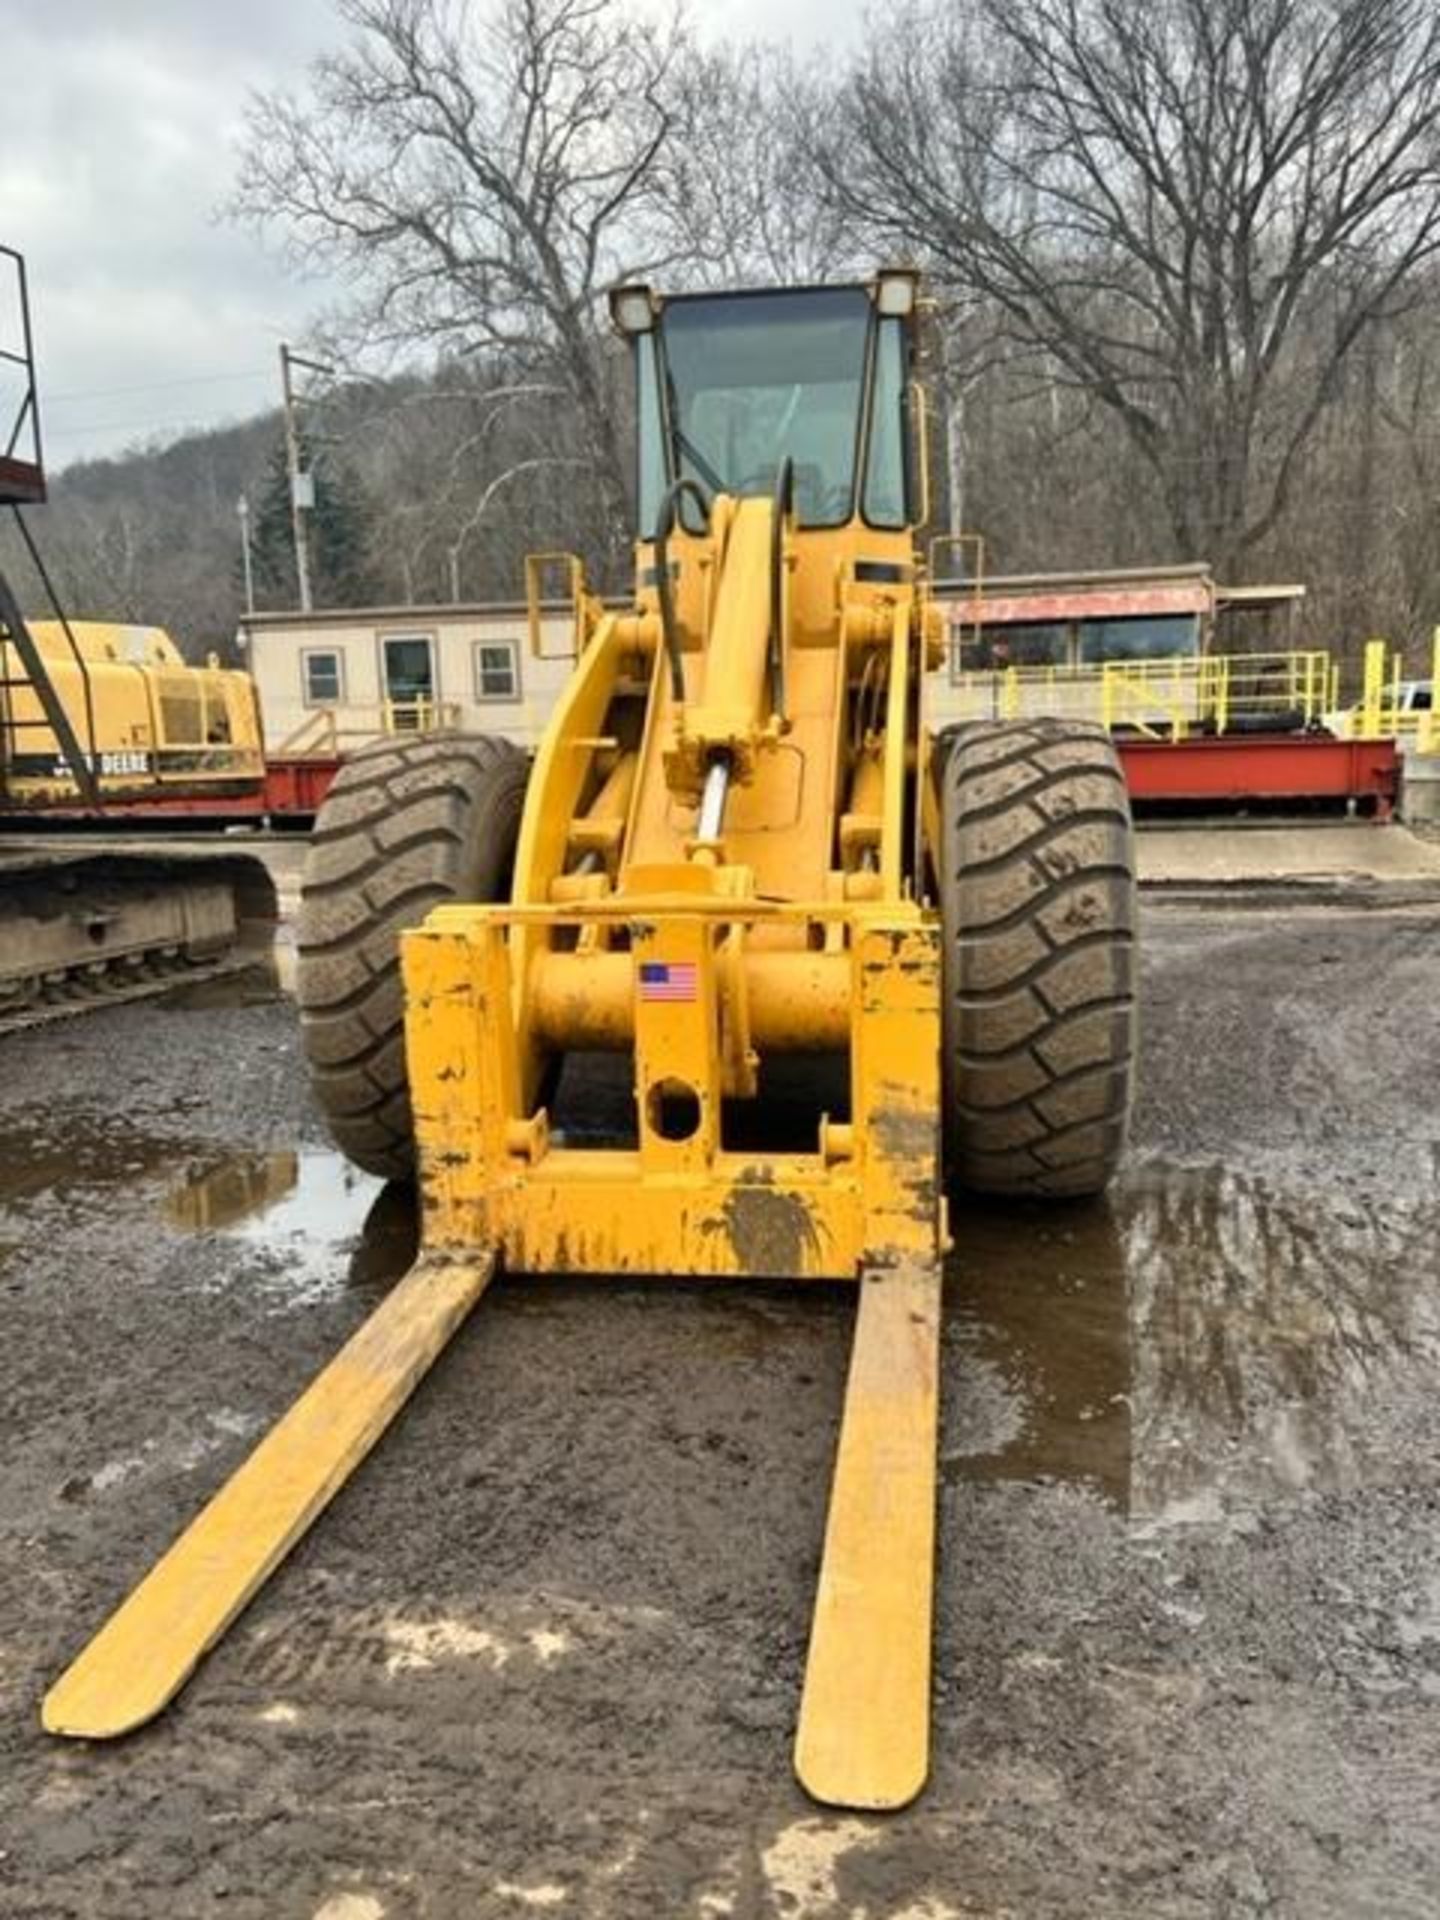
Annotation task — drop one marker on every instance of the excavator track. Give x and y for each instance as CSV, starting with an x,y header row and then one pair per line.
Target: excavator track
x,y
87,928
79,993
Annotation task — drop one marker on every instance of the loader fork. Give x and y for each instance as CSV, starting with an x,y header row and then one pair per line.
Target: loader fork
x,y
864,1733
146,1652
863,1738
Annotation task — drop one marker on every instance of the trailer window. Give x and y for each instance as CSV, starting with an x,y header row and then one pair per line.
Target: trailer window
x,y
1023,643
322,678
497,670
1151,637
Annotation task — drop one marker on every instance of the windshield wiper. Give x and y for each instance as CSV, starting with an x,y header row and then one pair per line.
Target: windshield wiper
x,y
684,444
697,459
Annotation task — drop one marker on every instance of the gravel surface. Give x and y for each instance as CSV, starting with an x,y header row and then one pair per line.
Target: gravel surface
x,y
543,1654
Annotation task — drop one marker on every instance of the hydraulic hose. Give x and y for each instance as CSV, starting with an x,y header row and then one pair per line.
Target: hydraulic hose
x,y
664,526
784,501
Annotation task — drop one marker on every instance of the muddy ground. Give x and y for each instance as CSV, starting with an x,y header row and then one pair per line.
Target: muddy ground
x,y
542,1656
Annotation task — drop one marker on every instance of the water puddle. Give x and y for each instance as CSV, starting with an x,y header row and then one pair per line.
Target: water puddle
x,y
1199,1344
233,1191
313,1221
1040,1301
62,1152
302,1208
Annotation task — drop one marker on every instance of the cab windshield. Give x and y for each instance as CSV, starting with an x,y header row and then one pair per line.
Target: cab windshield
x,y
752,378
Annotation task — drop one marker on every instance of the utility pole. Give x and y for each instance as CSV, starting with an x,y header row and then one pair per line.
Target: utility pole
x,y
242,507
302,481
953,386
955,458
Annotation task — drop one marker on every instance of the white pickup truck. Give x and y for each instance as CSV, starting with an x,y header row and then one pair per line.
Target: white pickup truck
x,y
1398,703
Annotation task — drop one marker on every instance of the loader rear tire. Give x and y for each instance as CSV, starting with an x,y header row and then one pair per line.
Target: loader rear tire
x,y
1038,915
407,825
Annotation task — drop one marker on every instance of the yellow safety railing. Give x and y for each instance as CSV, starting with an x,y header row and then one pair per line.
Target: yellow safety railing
x,y
1007,693
1167,698
418,716
316,734
1382,713
1160,698
323,733
1253,689
1373,722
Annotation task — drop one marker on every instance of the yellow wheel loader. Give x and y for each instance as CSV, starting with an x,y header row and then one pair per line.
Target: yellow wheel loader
x,y
736,843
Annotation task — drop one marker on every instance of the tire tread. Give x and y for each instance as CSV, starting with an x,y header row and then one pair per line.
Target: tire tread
x,y
406,825
1038,907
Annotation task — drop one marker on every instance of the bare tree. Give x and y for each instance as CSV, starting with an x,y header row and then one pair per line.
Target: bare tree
x,y
478,177
1192,211
747,202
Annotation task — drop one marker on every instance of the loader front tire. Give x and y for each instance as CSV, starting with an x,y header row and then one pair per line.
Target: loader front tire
x,y
407,825
1038,916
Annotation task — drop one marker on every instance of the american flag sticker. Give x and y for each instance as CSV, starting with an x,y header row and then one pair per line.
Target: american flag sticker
x,y
669,980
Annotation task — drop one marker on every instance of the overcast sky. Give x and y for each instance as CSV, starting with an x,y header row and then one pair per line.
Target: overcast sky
x,y
151,313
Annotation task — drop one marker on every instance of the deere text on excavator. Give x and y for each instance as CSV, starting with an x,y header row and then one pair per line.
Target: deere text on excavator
x,y
738,842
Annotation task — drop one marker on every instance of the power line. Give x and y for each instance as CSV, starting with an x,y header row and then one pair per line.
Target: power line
x,y
149,425
159,386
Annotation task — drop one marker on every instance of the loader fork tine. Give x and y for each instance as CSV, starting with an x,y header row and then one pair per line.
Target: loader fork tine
x,y
151,1645
864,1734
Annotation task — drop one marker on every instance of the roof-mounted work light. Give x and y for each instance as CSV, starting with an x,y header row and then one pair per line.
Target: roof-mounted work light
x,y
632,308
895,289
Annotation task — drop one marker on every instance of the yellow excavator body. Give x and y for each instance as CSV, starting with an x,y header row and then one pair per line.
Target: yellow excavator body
x,y
97,715
733,851
150,724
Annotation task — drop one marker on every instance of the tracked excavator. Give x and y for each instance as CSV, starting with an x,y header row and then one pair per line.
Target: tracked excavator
x,y
737,844
99,719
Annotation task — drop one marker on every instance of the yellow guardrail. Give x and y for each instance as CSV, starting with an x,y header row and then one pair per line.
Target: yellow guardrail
x,y
1160,698
1166,698
330,729
418,716
1383,713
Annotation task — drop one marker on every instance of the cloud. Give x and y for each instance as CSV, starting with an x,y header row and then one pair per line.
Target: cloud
x,y
121,124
